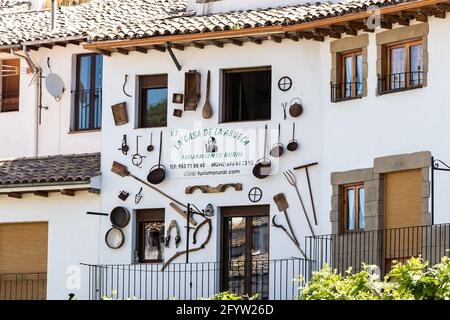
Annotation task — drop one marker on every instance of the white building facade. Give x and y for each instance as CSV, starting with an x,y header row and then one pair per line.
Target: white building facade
x,y
365,91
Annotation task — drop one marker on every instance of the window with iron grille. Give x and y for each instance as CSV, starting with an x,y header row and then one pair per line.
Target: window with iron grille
x,y
350,85
88,92
403,67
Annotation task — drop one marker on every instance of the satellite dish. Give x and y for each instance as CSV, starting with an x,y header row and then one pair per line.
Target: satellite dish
x,y
55,85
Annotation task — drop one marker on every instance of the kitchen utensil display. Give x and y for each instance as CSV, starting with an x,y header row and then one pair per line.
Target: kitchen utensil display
x,y
191,90
284,106
255,194
173,224
137,158
150,147
278,148
177,113
122,171
177,98
138,197
276,225
123,195
182,213
290,177
261,170
285,83
293,144
207,109
120,114
296,108
157,173
124,148
120,217
114,238
306,166
283,205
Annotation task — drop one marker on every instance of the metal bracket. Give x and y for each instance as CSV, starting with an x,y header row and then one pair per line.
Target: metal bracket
x,y
172,55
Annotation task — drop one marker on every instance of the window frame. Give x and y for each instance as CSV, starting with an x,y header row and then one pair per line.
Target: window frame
x,y
144,216
345,211
343,55
225,100
16,108
92,90
140,101
406,44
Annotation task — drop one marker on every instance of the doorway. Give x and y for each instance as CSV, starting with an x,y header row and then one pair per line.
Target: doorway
x,y
245,250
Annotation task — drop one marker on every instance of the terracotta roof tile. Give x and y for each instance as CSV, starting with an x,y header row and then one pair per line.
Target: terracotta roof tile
x,y
52,169
127,19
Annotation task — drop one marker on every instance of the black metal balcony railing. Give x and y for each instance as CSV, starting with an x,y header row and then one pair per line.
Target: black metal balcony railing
x,y
346,91
400,81
271,279
23,286
89,105
379,247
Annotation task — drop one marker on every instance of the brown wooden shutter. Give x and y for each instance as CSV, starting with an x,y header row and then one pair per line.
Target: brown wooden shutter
x,y
403,208
23,247
403,199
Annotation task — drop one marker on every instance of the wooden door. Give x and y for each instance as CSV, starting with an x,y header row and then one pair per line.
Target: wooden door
x,y
402,215
10,85
23,260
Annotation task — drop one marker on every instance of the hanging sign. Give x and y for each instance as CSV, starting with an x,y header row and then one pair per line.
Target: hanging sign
x,y
209,152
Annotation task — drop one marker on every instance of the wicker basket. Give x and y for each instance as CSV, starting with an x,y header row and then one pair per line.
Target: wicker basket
x,y
120,113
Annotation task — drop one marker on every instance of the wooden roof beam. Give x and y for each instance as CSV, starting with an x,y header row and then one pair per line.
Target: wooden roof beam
x,y
159,48
356,25
46,45
256,40
236,42
197,45
61,44
68,192
104,52
176,46
16,195
276,38
122,51
441,14
292,37
351,32
43,194
217,43
386,24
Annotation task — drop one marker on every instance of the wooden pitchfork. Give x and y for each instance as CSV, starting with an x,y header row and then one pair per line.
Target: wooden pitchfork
x,y
290,177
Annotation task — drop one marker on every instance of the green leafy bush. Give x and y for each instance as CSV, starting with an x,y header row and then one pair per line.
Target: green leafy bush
x,y
412,280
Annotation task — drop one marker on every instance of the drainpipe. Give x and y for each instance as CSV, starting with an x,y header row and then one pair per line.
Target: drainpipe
x,y
54,15
37,71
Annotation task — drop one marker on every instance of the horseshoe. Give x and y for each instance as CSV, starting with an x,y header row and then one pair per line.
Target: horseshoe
x,y
173,224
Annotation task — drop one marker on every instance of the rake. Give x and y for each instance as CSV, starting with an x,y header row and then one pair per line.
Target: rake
x,y
290,177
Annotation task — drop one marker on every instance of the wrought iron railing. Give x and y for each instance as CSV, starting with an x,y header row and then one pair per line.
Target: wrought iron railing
x,y
400,81
88,105
379,247
9,101
23,286
270,279
346,91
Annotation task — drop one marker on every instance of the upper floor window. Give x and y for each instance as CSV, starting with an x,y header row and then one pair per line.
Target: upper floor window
x,y
153,101
10,85
403,66
247,94
353,208
88,92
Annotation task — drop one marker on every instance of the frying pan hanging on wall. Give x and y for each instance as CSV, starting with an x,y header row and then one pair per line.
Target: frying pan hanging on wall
x,y
114,238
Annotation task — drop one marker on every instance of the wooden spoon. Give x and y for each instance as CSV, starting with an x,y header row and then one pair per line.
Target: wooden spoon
x,y
207,109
